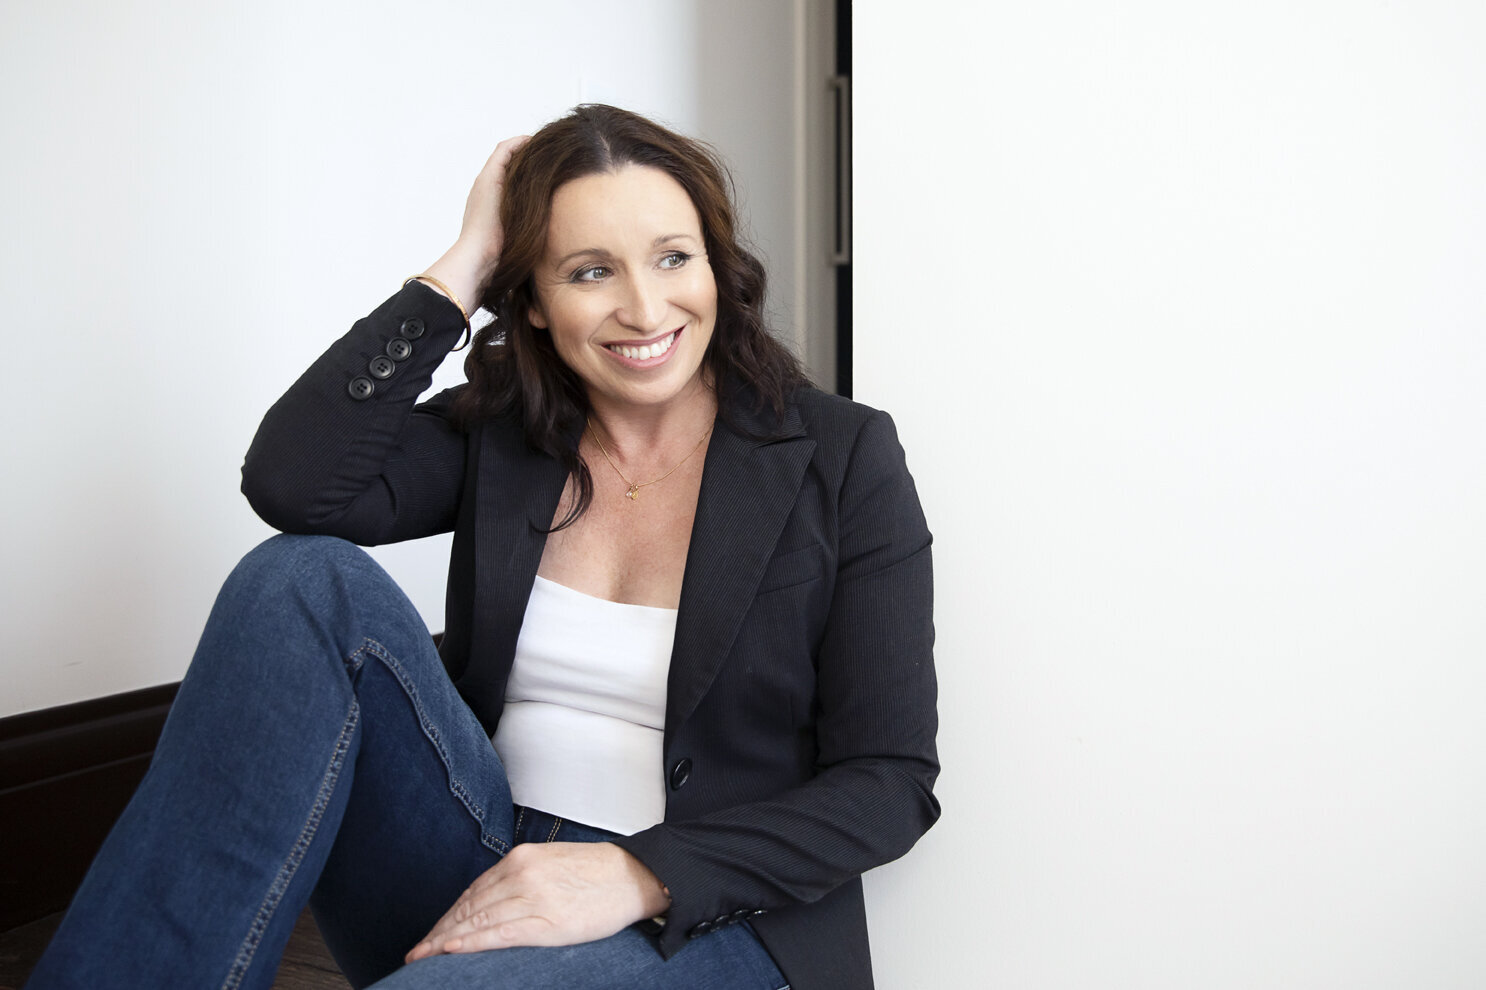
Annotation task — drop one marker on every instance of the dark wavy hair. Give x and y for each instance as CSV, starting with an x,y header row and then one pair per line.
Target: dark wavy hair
x,y
513,367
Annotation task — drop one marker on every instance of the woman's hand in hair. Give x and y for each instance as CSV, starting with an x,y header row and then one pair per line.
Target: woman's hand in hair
x,y
552,893
466,266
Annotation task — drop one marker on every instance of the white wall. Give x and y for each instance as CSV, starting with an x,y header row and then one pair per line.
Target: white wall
x,y
199,197
1180,309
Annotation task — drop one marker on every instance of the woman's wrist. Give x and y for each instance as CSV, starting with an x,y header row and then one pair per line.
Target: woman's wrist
x,y
655,899
463,273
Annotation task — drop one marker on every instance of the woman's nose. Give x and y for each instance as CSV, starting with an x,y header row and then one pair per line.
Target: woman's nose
x,y
644,305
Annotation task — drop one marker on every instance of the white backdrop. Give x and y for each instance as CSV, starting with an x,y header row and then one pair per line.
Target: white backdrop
x,y
198,198
1180,309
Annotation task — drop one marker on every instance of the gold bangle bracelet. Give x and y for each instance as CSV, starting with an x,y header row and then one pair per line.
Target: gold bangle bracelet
x,y
452,298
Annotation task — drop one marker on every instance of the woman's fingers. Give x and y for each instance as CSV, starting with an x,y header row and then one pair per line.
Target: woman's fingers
x,y
481,225
530,930
484,903
558,893
471,928
471,910
500,924
467,265
501,156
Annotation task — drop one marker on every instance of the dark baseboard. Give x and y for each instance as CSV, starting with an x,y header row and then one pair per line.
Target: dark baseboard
x,y
65,775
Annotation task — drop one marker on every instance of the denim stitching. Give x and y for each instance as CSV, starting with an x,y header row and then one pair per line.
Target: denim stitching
x,y
556,824
290,866
430,731
520,817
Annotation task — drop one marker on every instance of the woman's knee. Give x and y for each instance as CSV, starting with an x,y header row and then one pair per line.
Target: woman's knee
x,y
289,555
314,578
297,565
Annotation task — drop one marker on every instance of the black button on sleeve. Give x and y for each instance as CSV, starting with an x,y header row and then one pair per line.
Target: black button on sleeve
x,y
361,388
381,366
399,349
412,328
680,773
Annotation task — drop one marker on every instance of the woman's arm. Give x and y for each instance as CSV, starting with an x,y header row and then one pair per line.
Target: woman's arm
x,y
871,797
345,452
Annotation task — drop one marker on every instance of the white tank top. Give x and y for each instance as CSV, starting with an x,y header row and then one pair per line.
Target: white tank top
x,y
581,735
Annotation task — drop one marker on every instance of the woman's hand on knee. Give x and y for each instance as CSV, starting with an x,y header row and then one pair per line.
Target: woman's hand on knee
x,y
553,893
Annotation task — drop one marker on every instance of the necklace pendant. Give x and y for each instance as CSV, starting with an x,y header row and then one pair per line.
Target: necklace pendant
x,y
633,494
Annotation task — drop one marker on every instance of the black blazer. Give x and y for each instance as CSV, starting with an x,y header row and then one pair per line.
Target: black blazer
x,y
800,714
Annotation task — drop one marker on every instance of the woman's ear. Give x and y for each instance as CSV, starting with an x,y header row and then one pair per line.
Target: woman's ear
x,y
525,297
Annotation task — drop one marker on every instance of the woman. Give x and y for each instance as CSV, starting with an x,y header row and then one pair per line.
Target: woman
x,y
688,601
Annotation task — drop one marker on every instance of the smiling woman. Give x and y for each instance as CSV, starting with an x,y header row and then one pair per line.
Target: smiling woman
x,y
550,239
683,702
630,308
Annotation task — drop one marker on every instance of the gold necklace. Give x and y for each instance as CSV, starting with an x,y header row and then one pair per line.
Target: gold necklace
x,y
634,490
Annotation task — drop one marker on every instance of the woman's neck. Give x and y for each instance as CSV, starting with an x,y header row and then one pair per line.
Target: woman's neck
x,y
642,434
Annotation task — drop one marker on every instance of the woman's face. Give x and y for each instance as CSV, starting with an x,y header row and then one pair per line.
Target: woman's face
x,y
625,289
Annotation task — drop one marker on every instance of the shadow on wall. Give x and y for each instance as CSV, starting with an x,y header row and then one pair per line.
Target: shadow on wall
x,y
746,109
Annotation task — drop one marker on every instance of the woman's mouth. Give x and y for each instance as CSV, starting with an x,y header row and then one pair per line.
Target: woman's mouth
x,y
645,355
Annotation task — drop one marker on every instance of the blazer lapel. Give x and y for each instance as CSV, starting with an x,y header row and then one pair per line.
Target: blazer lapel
x,y
518,491
749,487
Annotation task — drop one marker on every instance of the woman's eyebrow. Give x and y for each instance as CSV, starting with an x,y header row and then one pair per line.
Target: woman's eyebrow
x,y
598,253
603,255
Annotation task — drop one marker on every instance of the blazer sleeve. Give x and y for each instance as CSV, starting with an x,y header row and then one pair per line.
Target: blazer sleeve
x,y
346,452
872,794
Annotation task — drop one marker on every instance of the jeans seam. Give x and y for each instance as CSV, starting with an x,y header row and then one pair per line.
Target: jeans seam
x,y
431,732
290,866
556,824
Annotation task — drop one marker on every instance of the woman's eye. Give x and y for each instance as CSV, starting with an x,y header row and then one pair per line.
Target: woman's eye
x,y
593,273
675,259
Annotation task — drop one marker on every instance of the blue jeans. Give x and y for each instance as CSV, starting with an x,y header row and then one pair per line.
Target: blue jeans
x,y
317,752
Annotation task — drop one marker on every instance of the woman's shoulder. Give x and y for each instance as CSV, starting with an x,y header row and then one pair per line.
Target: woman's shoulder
x,y
847,434
812,401
859,459
829,417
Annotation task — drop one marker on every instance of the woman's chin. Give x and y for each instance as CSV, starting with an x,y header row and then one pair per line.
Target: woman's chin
x,y
648,397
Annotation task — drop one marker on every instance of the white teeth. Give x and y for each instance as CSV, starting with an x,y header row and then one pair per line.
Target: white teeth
x,y
646,352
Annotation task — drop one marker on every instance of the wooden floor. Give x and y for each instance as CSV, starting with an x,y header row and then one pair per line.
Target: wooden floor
x,y
307,964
